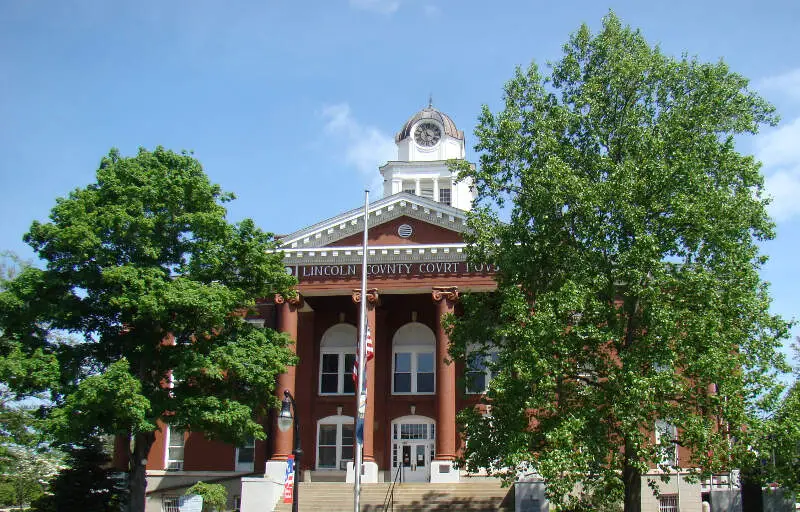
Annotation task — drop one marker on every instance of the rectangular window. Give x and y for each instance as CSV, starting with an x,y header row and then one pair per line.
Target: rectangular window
x,y
327,446
330,373
335,445
425,373
414,372
245,455
667,436
348,436
480,372
402,372
336,370
444,196
349,385
410,191
668,503
175,443
170,504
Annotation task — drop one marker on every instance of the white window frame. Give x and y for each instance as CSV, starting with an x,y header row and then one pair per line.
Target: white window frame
x,y
338,421
665,428
415,353
398,441
331,344
449,192
489,357
169,435
246,466
407,341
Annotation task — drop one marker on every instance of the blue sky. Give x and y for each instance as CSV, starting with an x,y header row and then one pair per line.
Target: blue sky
x,y
293,105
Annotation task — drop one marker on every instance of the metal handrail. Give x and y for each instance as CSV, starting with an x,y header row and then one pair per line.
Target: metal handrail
x,y
388,501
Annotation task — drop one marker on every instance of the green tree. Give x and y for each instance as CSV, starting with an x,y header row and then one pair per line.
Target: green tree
x,y
629,290
87,483
145,268
775,457
215,496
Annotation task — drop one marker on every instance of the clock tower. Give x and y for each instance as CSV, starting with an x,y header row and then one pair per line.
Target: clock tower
x,y
424,145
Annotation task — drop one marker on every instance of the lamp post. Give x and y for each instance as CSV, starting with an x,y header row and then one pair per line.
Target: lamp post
x,y
288,417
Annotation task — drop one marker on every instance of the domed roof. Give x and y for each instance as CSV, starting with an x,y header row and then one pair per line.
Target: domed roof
x,y
430,113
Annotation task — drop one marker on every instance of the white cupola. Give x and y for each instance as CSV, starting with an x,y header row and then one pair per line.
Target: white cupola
x,y
424,145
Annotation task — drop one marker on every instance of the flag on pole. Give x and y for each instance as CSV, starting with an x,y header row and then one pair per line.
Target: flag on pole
x,y
370,354
370,346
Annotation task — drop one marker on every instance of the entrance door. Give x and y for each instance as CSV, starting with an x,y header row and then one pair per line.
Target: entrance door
x,y
416,457
413,444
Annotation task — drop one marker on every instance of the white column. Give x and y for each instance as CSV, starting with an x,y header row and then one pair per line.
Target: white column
x,y
418,190
436,188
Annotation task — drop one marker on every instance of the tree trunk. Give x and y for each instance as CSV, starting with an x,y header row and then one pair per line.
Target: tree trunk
x,y
632,479
137,483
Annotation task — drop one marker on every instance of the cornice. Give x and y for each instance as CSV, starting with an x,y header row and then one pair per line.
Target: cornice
x,y
384,210
376,254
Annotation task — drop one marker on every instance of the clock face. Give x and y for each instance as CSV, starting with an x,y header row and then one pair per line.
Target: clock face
x,y
427,134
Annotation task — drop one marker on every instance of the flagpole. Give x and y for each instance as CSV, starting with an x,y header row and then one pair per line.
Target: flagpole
x,y
362,367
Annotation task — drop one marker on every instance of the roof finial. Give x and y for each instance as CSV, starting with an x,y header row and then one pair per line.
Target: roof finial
x,y
430,100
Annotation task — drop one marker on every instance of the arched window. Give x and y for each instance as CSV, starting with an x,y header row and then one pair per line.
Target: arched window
x,y
334,442
413,360
336,359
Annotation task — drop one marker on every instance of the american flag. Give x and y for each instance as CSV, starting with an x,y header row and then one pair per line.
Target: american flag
x,y
370,355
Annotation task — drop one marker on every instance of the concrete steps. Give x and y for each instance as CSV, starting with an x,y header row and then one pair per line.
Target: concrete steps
x,y
482,495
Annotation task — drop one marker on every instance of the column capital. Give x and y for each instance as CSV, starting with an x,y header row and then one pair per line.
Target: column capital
x,y
293,298
373,297
449,293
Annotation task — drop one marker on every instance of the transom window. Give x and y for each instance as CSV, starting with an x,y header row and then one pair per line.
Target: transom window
x,y
337,356
413,360
335,435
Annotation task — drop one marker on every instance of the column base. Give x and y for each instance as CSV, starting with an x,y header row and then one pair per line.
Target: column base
x,y
444,472
368,476
263,493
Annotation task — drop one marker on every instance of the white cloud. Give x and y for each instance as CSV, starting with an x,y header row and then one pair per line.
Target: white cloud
x,y
380,6
786,85
365,147
779,150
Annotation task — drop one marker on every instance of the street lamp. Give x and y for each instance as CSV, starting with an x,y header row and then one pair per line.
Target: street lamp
x,y
288,417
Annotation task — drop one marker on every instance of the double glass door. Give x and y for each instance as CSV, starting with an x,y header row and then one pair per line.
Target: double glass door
x,y
416,461
412,451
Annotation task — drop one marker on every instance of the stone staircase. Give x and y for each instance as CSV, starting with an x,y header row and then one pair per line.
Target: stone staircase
x,y
481,495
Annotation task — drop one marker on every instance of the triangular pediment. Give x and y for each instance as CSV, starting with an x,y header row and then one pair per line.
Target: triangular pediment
x,y
430,222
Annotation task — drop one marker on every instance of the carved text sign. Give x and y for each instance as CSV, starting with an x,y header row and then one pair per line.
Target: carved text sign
x,y
388,270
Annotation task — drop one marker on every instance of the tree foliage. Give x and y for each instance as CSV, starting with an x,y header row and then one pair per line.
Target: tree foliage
x,y
215,496
145,269
775,457
629,289
86,483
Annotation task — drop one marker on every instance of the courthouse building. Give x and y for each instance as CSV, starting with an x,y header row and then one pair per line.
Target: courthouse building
x,y
416,270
